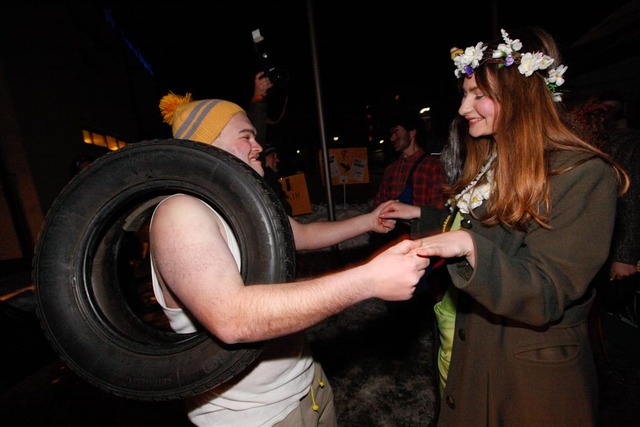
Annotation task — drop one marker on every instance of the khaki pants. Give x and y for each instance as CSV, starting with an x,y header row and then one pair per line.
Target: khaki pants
x,y
304,415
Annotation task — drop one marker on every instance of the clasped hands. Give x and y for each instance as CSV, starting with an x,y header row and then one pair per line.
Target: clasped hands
x,y
452,244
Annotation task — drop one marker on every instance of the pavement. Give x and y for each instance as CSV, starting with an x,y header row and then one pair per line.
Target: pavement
x,y
38,388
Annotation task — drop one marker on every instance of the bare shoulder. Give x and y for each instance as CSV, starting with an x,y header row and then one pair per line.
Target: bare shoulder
x,y
183,211
179,201
181,204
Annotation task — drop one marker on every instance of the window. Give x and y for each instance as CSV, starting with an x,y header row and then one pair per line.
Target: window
x,y
102,140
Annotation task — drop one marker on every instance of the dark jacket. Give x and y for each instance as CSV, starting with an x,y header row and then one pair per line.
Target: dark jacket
x,y
521,352
624,147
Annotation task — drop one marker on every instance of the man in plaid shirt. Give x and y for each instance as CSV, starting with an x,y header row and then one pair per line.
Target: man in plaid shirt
x,y
428,176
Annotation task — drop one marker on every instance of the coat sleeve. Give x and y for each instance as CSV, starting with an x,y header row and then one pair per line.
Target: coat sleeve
x,y
532,276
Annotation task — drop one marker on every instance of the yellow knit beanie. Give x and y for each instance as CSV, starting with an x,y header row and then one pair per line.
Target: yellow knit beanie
x,y
200,121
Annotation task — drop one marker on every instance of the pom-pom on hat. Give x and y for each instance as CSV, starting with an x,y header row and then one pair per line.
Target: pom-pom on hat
x,y
200,121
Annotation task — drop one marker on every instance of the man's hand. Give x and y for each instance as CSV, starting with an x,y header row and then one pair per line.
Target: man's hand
x,y
395,272
380,224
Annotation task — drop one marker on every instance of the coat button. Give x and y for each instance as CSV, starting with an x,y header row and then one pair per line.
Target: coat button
x,y
451,403
461,334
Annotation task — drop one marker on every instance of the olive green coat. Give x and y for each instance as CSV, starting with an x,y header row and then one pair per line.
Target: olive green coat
x,y
521,352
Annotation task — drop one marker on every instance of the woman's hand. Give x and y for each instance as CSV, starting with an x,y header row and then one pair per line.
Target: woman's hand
x,y
451,244
398,210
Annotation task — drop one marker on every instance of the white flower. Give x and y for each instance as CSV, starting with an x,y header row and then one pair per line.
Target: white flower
x,y
507,54
505,36
545,62
556,75
508,47
527,64
469,59
502,51
474,54
530,62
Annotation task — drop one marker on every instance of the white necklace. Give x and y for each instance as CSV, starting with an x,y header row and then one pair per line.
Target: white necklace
x,y
474,195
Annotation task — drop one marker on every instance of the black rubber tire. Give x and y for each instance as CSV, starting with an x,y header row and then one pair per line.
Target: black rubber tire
x,y
92,291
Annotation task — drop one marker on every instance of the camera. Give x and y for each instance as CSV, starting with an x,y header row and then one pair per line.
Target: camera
x,y
278,76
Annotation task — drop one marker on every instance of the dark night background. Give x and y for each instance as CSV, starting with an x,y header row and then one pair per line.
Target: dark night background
x,y
367,54
72,67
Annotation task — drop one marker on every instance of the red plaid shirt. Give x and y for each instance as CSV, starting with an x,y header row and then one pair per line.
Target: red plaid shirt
x,y
428,180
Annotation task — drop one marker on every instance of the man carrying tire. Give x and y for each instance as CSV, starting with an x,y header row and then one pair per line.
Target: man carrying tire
x,y
196,272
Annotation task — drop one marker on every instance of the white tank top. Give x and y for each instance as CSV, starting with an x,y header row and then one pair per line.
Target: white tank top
x,y
264,393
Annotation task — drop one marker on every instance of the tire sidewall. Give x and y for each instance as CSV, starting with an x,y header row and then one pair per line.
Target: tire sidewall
x,y
78,293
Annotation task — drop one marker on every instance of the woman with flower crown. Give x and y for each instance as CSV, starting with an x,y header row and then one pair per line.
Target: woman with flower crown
x,y
529,225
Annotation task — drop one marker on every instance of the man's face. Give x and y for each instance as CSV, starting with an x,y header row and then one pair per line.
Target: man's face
x,y
272,161
239,139
400,138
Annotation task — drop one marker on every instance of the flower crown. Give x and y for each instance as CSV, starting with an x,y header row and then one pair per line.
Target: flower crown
x,y
505,55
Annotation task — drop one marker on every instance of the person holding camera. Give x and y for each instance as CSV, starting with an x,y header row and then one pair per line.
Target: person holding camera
x,y
258,111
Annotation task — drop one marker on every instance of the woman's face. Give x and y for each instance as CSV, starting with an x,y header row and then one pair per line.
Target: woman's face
x,y
480,111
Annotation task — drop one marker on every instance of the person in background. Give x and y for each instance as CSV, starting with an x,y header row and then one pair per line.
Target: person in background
x,y
454,150
601,120
270,161
258,110
196,264
258,113
415,177
603,124
529,225
623,144
452,158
